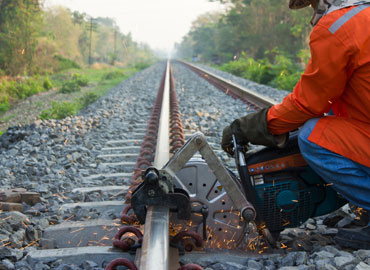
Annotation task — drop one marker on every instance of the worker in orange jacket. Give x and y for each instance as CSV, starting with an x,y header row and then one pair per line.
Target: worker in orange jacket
x,y
330,104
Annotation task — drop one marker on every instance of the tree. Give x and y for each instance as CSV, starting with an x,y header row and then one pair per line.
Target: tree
x,y
20,22
250,26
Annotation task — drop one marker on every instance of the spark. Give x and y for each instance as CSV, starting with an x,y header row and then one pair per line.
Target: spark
x,y
69,218
6,244
31,244
77,230
283,245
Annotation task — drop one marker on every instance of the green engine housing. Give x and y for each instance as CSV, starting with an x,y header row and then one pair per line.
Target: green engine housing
x,y
287,190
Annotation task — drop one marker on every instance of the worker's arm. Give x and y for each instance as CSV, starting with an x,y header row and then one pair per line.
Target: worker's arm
x,y
321,84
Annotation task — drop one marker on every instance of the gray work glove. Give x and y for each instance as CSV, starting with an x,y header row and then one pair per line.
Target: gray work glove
x,y
252,128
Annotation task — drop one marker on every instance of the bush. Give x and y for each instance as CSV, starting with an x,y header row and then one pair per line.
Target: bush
x,y
287,82
235,67
70,87
87,99
22,89
142,65
64,63
4,104
259,71
113,75
47,84
81,80
59,110
283,73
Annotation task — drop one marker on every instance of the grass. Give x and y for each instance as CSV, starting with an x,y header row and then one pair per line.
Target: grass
x,y
86,85
7,118
39,104
59,110
99,82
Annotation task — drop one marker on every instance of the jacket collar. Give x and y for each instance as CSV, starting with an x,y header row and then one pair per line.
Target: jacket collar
x,y
325,7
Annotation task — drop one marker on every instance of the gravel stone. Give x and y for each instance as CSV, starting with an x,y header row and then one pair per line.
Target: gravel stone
x,y
12,254
326,267
322,263
362,254
289,259
322,255
89,265
341,260
54,157
362,266
6,265
254,265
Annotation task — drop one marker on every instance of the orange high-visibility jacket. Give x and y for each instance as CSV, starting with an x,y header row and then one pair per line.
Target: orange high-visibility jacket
x,y
337,77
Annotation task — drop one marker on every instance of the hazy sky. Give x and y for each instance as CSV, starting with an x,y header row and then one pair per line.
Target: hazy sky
x,y
160,23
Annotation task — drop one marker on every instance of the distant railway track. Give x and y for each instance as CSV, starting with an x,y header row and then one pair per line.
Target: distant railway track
x,y
251,98
151,139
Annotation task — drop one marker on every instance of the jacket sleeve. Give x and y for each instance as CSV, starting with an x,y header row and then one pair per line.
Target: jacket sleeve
x,y
321,84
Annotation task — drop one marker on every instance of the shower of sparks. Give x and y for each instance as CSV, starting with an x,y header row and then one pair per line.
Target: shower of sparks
x,y
4,245
69,218
31,244
283,246
78,230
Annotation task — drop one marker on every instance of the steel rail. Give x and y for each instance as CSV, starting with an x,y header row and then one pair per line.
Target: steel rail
x,y
240,91
155,247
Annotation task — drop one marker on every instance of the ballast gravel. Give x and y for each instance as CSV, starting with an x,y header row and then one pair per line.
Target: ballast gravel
x,y
55,157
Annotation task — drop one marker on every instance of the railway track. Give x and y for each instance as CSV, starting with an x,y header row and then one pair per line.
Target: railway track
x,y
150,145
148,136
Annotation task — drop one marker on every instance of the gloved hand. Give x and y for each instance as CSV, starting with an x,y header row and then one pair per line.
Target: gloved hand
x,y
252,128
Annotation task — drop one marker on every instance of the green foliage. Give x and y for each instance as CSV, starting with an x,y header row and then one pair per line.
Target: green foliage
x,y
55,39
142,65
286,81
260,71
253,27
59,110
81,80
2,132
87,99
236,67
65,64
111,75
22,88
20,23
4,104
47,84
282,73
74,84
70,87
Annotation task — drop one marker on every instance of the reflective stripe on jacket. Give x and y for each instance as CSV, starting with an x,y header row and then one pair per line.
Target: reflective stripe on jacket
x,y
337,77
